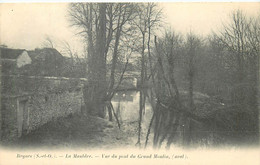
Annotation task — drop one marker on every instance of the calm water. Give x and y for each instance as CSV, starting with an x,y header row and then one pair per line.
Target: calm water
x,y
126,105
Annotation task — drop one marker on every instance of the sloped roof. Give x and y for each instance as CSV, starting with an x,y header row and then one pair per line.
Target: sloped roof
x,y
7,53
45,62
44,51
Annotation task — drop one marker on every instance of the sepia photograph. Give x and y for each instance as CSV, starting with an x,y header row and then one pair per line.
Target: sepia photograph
x,y
136,82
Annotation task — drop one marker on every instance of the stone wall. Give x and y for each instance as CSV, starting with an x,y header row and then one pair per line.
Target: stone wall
x,y
45,108
30,102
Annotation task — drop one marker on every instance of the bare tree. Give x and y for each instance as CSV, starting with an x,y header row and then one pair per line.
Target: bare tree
x,y
241,39
148,19
91,19
48,43
192,45
103,26
167,116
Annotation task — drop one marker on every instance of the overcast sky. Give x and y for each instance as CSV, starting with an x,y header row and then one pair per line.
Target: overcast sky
x,y
27,25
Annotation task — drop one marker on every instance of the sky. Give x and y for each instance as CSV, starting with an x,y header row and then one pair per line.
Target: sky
x,y
26,25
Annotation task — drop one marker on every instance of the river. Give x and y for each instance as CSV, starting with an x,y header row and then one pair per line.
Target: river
x,y
126,106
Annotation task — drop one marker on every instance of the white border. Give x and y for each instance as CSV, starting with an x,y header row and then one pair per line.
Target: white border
x,y
56,1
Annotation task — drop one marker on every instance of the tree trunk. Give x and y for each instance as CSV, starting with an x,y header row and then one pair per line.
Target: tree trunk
x,y
95,90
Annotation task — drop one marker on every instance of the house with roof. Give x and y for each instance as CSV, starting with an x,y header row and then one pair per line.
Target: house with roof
x,y
19,57
34,90
45,62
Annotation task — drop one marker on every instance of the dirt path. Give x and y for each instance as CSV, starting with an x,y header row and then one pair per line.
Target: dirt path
x,y
79,131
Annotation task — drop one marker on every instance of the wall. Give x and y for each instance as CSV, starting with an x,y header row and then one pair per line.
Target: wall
x,y
29,102
45,108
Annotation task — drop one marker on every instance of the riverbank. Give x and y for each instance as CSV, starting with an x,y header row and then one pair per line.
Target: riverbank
x,y
78,131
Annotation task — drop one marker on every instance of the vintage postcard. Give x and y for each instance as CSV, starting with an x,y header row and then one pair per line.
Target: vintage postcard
x,y
129,83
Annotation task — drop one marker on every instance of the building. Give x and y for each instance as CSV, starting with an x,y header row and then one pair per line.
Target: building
x,y
12,60
19,56
46,62
33,91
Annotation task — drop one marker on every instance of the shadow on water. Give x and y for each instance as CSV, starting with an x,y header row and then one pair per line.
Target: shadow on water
x,y
126,105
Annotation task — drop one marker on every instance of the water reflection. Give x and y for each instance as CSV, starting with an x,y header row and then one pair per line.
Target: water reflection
x,y
126,105
125,96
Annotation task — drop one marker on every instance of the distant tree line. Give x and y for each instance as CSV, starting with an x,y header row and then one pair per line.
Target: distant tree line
x,y
222,65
